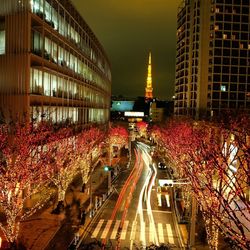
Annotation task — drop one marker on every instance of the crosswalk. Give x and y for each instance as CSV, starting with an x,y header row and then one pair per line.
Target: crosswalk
x,y
134,231
164,198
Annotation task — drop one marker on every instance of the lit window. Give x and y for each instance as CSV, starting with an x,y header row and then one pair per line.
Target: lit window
x,y
233,37
217,10
2,42
224,36
223,88
249,46
216,27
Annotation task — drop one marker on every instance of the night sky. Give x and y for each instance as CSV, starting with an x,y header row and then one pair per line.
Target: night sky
x,y
128,30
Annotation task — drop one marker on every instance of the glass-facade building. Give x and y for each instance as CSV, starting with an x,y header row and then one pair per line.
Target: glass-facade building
x,y
213,57
52,67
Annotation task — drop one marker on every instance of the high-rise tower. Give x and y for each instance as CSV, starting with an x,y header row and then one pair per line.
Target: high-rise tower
x,y
149,89
213,55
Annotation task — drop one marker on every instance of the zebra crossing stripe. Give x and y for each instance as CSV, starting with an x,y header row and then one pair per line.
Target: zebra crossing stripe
x,y
95,233
114,232
106,229
133,231
159,200
167,199
151,232
170,234
142,233
124,230
160,231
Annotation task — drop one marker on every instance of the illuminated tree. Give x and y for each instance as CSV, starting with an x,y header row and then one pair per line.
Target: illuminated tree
x,y
142,128
20,174
60,156
118,136
86,142
215,158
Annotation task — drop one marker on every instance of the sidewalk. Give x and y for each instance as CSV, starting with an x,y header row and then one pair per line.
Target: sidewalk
x,y
50,231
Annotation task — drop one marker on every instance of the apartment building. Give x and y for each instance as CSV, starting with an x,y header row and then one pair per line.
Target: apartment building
x,y
52,66
213,57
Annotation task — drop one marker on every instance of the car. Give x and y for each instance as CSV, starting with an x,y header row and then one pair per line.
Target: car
x,y
162,165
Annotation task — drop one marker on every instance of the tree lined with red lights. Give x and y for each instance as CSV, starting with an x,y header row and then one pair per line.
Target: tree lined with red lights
x,y
118,136
142,128
59,154
33,156
216,161
86,142
20,174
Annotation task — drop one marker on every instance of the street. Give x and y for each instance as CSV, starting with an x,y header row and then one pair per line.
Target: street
x,y
138,214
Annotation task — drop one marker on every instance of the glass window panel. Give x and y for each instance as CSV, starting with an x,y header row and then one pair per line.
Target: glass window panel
x,y
54,85
37,6
66,58
60,55
47,11
46,84
60,87
2,42
55,18
47,49
54,52
37,87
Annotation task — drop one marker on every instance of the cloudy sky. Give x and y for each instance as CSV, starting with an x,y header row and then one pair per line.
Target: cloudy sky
x,y
128,30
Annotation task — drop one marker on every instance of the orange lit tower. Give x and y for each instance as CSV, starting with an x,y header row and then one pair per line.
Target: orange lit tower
x,y
149,89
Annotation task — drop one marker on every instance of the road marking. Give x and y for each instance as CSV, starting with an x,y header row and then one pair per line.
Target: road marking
x,y
114,232
133,231
142,234
161,235
95,233
159,211
170,234
167,199
151,232
159,200
106,229
124,230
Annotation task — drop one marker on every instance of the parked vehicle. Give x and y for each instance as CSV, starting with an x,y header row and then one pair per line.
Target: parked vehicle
x,y
162,165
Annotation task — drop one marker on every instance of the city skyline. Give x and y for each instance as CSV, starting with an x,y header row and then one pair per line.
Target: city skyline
x,y
128,32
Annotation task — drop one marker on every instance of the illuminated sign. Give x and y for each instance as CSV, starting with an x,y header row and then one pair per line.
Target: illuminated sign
x,y
134,114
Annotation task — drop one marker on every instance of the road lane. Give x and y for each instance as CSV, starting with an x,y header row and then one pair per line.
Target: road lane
x,y
144,221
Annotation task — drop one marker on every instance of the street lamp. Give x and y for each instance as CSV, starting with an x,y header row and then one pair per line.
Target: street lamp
x,y
108,169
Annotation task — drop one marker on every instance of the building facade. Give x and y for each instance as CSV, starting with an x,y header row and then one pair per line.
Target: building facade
x,y
52,67
213,57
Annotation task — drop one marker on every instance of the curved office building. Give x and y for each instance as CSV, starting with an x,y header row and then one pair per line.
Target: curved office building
x,y
52,67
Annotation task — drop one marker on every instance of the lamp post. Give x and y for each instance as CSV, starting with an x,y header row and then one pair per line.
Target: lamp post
x,y
108,169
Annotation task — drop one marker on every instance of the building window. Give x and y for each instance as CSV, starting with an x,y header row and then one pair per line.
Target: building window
x,y
2,42
223,88
2,37
37,43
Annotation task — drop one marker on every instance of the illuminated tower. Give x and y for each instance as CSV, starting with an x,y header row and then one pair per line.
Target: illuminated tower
x,y
149,89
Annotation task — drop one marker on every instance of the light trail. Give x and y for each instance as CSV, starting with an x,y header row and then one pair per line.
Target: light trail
x,y
146,192
149,210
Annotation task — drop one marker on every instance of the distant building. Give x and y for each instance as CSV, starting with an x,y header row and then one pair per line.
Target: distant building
x,y
52,67
156,114
213,57
160,110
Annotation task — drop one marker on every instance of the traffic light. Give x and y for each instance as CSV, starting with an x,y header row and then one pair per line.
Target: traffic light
x,y
107,168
